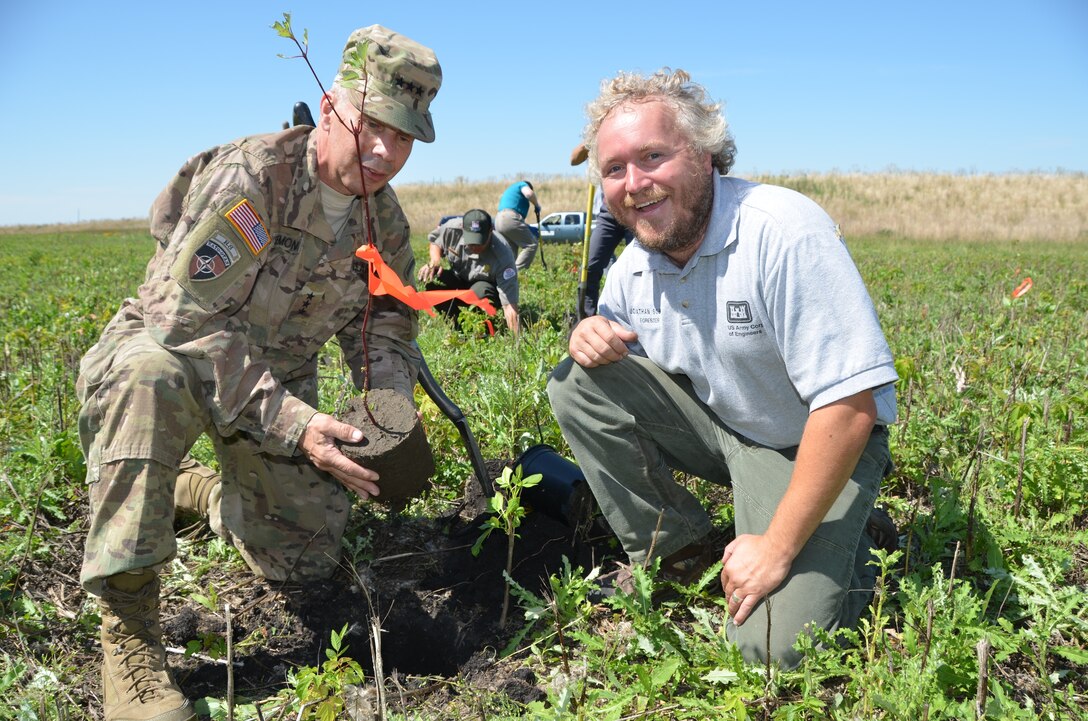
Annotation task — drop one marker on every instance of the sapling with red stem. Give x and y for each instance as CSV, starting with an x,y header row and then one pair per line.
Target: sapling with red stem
x,y
355,59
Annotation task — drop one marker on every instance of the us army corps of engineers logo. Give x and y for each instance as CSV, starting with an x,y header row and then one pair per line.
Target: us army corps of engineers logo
x,y
739,314
738,311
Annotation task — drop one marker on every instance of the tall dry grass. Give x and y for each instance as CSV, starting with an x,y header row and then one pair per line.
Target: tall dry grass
x,y
426,203
923,206
930,206
86,226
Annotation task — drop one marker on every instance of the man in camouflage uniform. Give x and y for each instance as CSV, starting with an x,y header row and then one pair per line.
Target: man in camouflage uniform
x,y
479,260
254,271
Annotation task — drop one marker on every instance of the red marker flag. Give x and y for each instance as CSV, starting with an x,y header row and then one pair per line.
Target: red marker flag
x,y
1023,288
384,280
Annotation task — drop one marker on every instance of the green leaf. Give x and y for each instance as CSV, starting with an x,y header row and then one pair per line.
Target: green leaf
x,y
337,639
906,369
663,672
204,601
1078,656
479,545
283,29
722,676
356,57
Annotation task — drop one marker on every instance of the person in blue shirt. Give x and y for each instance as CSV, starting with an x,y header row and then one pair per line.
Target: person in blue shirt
x,y
510,220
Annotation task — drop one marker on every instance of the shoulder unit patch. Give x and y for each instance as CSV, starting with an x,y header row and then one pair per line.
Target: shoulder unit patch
x,y
213,258
249,225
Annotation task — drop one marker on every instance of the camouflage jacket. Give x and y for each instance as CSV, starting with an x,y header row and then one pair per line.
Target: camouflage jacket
x,y
249,281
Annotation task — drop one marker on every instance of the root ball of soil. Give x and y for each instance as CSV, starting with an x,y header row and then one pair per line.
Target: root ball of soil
x,y
394,445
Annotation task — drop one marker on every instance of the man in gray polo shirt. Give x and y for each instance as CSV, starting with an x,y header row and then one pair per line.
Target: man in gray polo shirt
x,y
735,341
479,259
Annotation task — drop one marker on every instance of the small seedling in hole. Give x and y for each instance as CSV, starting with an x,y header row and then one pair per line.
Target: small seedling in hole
x,y
508,512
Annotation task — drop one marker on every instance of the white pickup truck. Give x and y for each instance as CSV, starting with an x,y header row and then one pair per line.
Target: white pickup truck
x,y
568,226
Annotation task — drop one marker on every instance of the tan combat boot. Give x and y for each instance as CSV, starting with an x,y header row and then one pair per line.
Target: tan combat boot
x,y
135,683
194,488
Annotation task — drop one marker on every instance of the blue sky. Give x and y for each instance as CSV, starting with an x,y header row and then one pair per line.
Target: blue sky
x,y
102,102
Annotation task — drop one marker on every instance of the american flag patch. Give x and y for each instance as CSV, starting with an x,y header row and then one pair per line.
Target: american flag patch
x,y
248,224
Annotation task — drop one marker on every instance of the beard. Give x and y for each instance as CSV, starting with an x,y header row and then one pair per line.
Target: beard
x,y
693,204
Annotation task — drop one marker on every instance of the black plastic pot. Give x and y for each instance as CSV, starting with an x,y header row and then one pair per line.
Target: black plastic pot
x,y
562,489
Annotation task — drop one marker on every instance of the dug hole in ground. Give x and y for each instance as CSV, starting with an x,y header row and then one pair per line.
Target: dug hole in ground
x,y
438,605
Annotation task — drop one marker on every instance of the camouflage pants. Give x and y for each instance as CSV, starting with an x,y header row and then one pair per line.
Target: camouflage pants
x,y
143,407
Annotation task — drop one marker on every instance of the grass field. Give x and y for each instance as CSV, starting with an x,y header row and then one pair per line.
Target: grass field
x,y
983,612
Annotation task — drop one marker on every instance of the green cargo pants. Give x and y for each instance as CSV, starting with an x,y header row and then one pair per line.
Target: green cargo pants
x,y
142,408
630,423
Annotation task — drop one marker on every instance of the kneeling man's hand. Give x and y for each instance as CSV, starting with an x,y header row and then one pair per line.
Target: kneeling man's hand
x,y
318,442
751,569
597,341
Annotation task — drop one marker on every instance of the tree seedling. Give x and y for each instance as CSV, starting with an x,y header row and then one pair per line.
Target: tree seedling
x,y
508,513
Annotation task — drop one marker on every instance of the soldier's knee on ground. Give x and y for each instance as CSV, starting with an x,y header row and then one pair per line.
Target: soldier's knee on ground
x,y
290,564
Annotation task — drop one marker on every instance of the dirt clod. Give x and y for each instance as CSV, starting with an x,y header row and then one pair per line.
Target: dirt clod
x,y
394,445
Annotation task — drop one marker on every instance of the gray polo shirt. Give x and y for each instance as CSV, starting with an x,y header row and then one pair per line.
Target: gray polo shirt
x,y
770,319
494,264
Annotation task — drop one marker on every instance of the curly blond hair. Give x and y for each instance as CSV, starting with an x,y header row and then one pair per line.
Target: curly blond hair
x,y
698,117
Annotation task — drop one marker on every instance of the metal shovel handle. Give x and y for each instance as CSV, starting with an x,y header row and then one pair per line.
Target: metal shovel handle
x,y
457,417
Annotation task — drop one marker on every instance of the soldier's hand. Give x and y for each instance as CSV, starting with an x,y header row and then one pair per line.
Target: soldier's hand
x,y
318,442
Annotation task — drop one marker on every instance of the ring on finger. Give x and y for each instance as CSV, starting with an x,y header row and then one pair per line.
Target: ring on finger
x,y
737,597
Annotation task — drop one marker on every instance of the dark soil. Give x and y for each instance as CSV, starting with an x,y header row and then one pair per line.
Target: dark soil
x,y
394,444
438,607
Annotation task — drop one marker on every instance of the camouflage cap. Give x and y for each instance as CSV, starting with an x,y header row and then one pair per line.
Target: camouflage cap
x,y
402,79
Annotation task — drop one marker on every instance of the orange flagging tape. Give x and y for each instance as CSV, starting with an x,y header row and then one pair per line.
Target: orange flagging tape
x,y
384,281
1023,288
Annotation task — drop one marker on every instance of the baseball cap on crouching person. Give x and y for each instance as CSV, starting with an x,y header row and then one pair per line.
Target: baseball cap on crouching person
x,y
402,78
475,231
